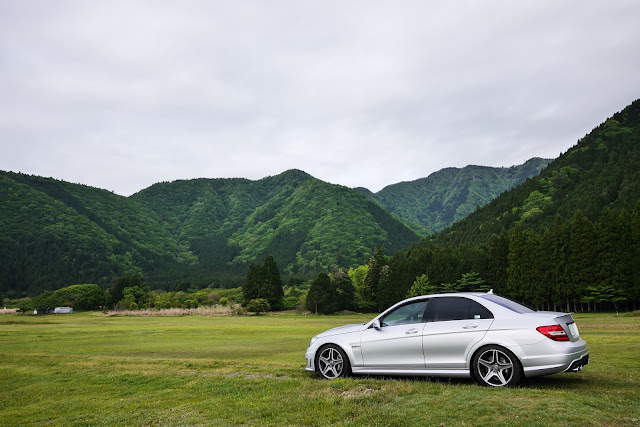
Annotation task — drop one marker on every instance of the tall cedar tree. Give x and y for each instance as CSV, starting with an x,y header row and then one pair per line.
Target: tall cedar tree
x,y
341,281
560,255
272,285
264,281
250,289
322,297
372,281
634,293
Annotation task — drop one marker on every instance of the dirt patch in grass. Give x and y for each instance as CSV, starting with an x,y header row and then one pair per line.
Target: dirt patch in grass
x,y
359,392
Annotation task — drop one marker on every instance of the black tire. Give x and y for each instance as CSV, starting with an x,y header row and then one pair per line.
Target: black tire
x,y
332,362
495,366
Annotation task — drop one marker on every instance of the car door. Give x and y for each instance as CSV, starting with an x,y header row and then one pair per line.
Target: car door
x,y
397,344
454,325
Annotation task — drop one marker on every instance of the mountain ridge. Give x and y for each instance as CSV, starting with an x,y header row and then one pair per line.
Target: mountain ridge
x,y
450,194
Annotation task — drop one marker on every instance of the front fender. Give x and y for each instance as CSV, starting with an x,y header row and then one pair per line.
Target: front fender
x,y
349,343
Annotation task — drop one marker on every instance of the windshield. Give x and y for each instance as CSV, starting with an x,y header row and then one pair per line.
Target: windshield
x,y
503,302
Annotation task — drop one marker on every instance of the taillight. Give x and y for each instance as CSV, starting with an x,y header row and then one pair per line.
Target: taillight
x,y
555,332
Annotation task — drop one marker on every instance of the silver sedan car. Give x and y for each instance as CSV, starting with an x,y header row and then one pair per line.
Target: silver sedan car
x,y
482,336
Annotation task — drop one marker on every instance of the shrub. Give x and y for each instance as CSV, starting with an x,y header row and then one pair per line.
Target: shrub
x,y
258,305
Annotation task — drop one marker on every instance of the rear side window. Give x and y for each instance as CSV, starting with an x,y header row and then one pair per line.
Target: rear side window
x,y
456,308
513,306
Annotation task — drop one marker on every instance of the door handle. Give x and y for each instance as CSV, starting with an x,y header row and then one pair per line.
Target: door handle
x,y
473,326
411,331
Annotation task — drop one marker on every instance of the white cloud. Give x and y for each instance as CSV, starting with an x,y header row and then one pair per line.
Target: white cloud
x,y
122,94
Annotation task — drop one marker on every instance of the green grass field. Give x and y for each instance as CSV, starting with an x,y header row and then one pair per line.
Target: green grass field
x,y
90,369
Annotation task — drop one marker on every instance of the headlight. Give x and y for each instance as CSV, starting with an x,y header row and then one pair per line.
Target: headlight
x,y
314,339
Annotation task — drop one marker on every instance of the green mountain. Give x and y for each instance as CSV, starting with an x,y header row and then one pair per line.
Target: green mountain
x,y
601,171
306,224
449,195
54,233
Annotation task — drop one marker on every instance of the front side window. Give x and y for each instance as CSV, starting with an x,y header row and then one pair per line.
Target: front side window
x,y
457,308
407,314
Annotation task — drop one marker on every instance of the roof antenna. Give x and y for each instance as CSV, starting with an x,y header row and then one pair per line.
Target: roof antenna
x,y
490,292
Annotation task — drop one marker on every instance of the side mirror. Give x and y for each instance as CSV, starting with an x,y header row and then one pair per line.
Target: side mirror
x,y
376,324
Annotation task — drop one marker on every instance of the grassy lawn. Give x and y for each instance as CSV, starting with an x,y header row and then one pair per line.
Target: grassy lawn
x,y
86,368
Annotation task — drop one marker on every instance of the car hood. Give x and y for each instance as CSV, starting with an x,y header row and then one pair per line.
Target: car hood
x,y
342,330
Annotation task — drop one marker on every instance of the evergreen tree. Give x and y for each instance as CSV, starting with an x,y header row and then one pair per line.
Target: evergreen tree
x,y
341,281
610,251
272,289
559,273
517,268
582,265
322,297
498,258
252,283
264,281
471,282
372,280
634,249
421,286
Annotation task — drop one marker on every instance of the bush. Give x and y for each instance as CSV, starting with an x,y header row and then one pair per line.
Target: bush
x,y
133,306
224,301
258,305
290,303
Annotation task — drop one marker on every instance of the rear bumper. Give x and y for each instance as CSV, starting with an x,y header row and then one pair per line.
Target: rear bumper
x,y
577,365
549,357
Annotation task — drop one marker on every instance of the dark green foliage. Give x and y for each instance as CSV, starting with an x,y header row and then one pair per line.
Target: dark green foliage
x,y
203,231
258,305
345,290
601,170
272,283
264,282
251,286
421,286
451,194
374,275
307,225
555,241
81,297
119,284
323,297
561,269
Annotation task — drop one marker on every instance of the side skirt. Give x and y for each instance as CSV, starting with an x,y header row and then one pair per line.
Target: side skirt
x,y
449,373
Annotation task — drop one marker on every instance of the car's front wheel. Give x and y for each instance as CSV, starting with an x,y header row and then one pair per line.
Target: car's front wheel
x,y
332,362
496,366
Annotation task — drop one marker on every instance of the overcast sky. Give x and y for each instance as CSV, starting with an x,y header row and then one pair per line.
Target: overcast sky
x,y
122,94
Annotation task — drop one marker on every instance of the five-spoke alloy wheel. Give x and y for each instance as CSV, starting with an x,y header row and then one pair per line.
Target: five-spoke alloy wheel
x,y
496,367
332,362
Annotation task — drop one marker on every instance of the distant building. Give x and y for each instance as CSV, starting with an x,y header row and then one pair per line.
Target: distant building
x,y
60,310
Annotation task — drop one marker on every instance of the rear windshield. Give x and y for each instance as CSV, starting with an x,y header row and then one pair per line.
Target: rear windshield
x,y
513,306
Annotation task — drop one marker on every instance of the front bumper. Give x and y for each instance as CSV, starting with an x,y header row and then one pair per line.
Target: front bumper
x,y
310,357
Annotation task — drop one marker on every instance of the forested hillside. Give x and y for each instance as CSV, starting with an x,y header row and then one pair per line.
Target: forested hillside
x,y
54,233
601,170
447,196
568,238
306,224
204,231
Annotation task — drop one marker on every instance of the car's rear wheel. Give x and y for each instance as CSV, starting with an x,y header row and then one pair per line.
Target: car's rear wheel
x,y
496,366
332,362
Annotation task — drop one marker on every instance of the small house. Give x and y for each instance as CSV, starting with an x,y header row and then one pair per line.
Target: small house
x,y
60,310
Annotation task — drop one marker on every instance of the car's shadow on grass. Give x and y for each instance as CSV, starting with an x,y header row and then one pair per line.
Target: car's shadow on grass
x,y
568,381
